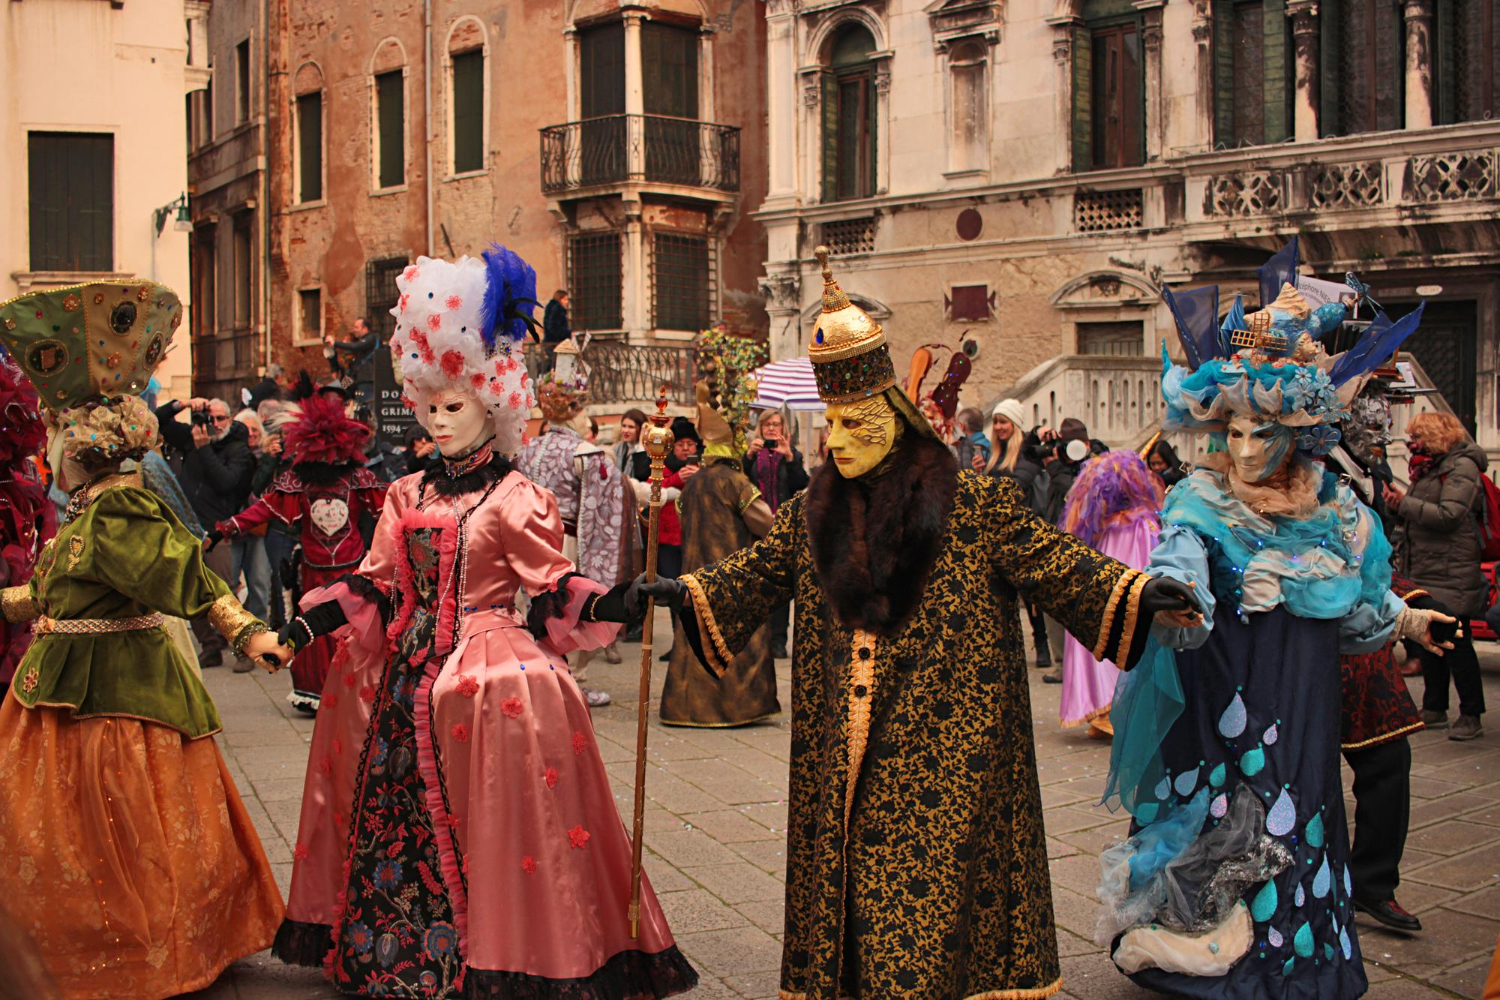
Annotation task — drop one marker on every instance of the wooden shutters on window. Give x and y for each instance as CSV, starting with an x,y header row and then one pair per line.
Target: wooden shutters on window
x,y
1117,109
310,147
1363,65
1253,66
1083,95
391,114
71,205
849,120
1468,62
468,111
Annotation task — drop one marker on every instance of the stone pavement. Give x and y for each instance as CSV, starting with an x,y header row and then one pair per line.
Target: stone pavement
x,y
716,822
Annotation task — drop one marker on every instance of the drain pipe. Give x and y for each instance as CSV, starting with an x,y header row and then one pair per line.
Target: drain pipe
x,y
427,117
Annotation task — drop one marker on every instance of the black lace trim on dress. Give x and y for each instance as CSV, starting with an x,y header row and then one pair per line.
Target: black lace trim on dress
x,y
626,976
438,481
299,943
361,586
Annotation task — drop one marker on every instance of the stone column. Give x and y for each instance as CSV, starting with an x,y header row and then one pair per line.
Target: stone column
x,y
883,133
781,101
570,48
635,299
1305,43
1418,63
635,95
1151,41
1203,35
781,289
1062,60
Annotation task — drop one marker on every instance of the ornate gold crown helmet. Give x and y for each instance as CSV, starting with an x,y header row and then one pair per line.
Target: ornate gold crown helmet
x,y
850,358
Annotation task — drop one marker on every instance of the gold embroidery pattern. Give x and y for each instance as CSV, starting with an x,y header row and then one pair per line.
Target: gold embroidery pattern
x,y
716,649
32,678
97,626
17,606
861,694
75,551
749,499
230,619
1122,586
1384,737
1032,994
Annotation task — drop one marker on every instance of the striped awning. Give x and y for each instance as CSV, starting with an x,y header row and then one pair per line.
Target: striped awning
x,y
789,384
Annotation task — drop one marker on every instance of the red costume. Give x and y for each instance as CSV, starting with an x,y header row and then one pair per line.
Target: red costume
x,y
324,492
27,518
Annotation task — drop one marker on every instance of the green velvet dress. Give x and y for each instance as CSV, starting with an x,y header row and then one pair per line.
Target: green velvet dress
x,y
124,555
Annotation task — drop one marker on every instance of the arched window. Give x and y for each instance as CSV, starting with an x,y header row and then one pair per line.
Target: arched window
x,y
968,107
388,116
849,115
1109,108
307,151
467,47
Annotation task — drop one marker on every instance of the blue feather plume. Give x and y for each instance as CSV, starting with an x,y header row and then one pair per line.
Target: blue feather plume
x,y
509,296
1381,339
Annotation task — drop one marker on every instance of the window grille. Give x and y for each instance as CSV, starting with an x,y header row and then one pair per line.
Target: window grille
x,y
682,288
850,235
1107,211
594,281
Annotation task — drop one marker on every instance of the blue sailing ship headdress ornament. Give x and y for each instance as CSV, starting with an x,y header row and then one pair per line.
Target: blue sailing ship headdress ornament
x,y
1271,364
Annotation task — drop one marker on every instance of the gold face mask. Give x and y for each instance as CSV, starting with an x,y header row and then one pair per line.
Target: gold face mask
x,y
860,434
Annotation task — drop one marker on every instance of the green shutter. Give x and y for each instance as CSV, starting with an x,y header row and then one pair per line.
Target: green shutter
x,y
1330,28
1083,94
390,103
1223,63
1445,67
872,111
468,111
830,136
1276,68
310,147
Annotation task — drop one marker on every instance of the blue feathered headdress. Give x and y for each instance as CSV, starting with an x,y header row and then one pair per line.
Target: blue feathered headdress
x,y
509,297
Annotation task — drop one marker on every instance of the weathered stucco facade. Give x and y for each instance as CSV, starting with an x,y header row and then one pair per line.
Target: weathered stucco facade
x,y
476,82
1018,191
91,120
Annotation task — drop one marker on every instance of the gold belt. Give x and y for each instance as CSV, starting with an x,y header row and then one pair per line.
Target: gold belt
x,y
96,626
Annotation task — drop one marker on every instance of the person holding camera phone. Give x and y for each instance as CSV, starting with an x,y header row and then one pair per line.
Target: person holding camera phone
x,y
777,469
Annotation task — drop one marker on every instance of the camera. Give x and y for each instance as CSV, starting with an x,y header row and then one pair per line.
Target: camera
x,y
203,418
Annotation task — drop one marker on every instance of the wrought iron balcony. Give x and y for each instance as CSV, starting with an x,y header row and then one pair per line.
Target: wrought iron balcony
x,y
616,149
628,373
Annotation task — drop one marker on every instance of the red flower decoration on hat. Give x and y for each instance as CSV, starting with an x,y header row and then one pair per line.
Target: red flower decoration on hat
x,y
453,364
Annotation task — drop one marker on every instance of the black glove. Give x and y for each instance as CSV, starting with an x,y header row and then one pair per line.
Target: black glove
x,y
668,591
211,539
1165,594
310,624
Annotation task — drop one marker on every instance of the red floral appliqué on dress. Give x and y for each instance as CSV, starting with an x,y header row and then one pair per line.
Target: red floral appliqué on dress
x,y
551,777
512,707
461,733
528,865
300,852
468,686
580,743
578,836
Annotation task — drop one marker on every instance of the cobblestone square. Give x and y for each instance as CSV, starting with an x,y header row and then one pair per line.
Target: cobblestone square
x,y
715,829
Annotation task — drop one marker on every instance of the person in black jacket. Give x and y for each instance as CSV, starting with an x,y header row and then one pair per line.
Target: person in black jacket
x,y
361,350
1010,457
217,469
1070,448
555,326
777,470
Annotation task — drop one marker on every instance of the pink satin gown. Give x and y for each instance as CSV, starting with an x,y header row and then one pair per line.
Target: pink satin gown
x,y
458,831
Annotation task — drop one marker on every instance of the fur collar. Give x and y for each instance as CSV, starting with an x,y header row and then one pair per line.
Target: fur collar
x,y
437,479
874,541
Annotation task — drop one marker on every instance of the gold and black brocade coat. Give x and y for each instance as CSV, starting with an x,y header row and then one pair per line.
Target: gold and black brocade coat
x,y
915,814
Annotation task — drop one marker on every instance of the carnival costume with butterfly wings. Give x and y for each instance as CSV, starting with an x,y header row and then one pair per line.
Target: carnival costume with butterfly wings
x,y
459,837
129,858
323,494
1236,883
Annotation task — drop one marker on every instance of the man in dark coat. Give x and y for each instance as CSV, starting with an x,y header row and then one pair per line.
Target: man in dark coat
x,y
217,468
916,856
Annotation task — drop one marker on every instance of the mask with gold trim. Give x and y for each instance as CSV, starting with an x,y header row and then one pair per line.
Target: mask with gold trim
x,y
861,435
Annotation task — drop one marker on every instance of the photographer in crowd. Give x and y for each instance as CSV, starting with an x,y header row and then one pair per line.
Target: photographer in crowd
x,y
778,471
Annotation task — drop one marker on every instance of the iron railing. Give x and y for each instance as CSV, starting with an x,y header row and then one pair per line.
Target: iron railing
x,y
628,373
613,149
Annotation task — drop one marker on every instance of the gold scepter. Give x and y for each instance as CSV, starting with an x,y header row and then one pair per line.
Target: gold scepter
x,y
657,440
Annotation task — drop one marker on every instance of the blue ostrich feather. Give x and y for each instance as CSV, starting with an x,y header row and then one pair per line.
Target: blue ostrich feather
x,y
509,296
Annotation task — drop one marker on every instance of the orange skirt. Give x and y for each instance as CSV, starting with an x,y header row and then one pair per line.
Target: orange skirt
x,y
127,855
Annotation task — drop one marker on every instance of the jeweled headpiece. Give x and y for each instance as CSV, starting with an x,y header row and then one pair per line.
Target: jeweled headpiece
x,y
457,327
90,343
849,354
1270,364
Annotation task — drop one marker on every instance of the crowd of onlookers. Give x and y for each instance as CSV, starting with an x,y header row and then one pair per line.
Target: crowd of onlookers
x,y
218,459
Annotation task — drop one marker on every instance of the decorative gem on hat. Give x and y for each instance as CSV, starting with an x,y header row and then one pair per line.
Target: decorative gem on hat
x,y
1271,364
849,353
90,342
